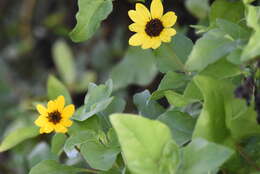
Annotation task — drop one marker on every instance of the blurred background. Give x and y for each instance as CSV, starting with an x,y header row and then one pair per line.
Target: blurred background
x,y
34,43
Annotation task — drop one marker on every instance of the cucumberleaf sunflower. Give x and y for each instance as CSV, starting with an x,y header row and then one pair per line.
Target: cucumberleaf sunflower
x,y
55,117
152,28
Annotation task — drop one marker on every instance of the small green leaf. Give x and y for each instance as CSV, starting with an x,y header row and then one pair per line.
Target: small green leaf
x,y
64,62
181,125
89,17
252,17
137,67
55,88
177,99
147,149
53,167
147,107
252,49
172,56
208,49
203,157
18,136
57,143
198,8
221,9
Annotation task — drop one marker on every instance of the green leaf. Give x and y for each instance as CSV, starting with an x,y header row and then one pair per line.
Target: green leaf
x,y
97,99
89,17
203,157
57,143
55,88
64,62
137,67
147,149
18,136
208,49
252,17
147,107
252,49
53,167
181,125
221,9
171,81
234,56
192,92
221,69
232,29
172,56
177,99
198,8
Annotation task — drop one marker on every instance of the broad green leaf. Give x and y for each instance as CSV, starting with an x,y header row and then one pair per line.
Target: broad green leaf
x,y
232,29
39,153
180,124
198,8
171,81
89,17
147,149
137,67
57,143
98,155
211,124
147,107
192,91
203,157
177,99
221,9
208,49
53,167
235,56
55,88
221,69
253,17
18,136
97,99
252,49
172,56
63,59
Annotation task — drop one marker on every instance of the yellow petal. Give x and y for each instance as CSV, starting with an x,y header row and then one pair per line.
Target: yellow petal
x,y
156,43
165,36
41,109
68,111
60,129
168,32
143,12
60,101
46,129
136,27
156,9
66,123
52,106
135,16
136,39
147,43
169,19
41,121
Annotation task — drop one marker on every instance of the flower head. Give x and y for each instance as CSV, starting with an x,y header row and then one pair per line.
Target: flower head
x,y
55,117
152,28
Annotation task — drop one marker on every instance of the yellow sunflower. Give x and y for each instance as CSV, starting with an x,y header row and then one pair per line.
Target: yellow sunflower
x,y
152,28
55,117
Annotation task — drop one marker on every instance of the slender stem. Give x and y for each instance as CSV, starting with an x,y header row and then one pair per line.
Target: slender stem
x,y
247,158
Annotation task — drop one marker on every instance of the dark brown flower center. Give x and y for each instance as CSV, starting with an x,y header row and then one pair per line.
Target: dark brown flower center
x,y
154,27
54,117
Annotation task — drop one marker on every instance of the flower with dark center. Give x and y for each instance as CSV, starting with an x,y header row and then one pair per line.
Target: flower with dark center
x,y
151,27
55,117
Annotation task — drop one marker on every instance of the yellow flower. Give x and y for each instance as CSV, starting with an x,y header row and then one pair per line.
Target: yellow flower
x,y
55,117
153,27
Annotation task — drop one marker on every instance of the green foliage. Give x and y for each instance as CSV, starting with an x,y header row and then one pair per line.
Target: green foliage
x,y
89,17
198,8
55,88
18,136
144,152
142,71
